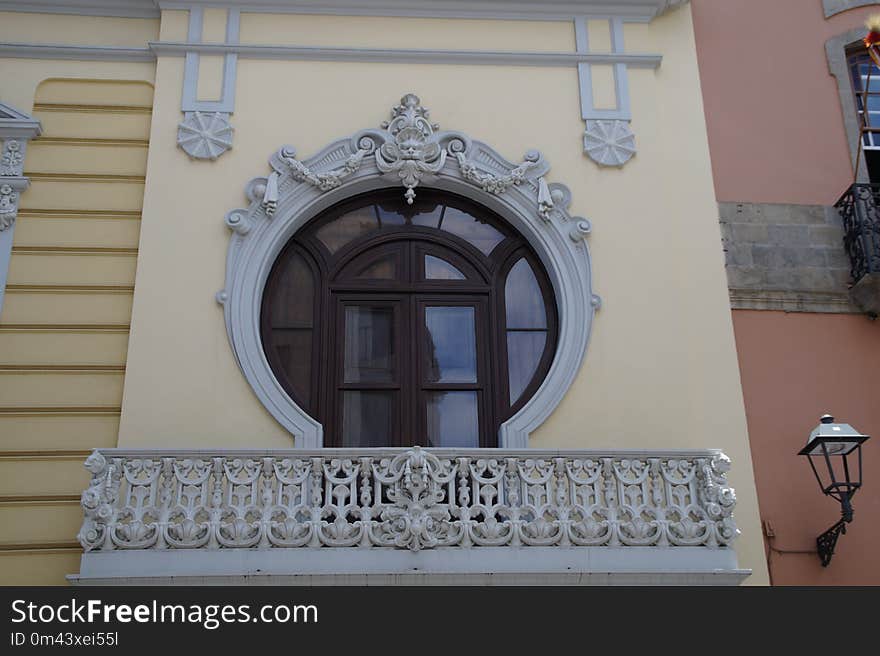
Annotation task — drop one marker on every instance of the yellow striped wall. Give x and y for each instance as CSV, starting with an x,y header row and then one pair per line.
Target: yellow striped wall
x,y
65,322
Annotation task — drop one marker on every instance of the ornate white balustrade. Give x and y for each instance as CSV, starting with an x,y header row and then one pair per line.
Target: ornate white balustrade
x,y
405,501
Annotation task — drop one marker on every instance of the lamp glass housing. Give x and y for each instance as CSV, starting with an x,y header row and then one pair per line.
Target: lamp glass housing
x,y
828,449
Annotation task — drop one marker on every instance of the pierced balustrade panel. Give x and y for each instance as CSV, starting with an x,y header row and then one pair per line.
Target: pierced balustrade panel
x,y
405,499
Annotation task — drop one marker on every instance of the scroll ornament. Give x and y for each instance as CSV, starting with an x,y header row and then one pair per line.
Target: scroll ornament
x,y
408,146
8,206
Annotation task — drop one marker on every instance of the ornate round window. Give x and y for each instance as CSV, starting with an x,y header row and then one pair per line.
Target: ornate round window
x,y
395,324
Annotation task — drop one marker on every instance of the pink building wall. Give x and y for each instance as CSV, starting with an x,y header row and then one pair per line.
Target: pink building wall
x,y
776,130
796,367
777,135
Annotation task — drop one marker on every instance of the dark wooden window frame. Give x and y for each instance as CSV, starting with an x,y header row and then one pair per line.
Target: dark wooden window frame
x,y
484,289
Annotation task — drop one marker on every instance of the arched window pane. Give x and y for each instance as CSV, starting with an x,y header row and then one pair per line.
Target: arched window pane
x,y
476,232
428,216
348,227
291,308
439,269
293,296
293,348
389,217
524,351
384,269
525,303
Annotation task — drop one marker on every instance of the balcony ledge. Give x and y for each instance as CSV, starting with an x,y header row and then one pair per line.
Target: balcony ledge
x,y
441,566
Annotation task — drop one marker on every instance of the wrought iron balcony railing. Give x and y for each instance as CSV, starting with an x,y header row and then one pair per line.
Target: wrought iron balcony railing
x,y
858,208
405,501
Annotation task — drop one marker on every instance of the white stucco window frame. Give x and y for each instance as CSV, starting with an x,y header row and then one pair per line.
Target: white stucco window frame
x,y
16,129
296,191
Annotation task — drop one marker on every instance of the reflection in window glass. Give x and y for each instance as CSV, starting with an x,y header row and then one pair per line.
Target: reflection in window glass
x,y
525,304
453,419
427,216
524,350
348,227
451,351
389,217
369,345
526,327
366,418
474,231
439,269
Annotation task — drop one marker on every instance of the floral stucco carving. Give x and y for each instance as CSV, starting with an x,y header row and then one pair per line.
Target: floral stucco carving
x,y
409,147
205,135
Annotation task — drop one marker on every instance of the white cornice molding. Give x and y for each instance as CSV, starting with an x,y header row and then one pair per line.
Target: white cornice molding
x,y
420,56
498,9
643,10
15,124
319,53
115,8
77,53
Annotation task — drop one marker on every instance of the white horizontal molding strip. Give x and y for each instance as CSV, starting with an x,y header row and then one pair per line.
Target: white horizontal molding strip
x,y
560,10
419,56
80,53
563,10
317,53
116,8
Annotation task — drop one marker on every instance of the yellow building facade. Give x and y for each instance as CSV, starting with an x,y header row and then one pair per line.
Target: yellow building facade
x,y
153,119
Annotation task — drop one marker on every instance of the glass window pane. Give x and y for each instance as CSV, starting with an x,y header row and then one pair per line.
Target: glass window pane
x,y
383,269
293,294
474,231
439,269
427,216
369,345
366,418
451,351
453,419
348,227
522,295
389,217
293,348
524,351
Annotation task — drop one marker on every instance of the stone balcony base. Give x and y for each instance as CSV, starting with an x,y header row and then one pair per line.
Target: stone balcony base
x,y
441,566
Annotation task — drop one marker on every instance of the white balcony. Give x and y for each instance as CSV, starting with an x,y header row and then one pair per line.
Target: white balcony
x,y
382,516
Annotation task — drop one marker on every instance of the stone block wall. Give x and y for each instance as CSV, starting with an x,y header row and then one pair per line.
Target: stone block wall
x,y
785,257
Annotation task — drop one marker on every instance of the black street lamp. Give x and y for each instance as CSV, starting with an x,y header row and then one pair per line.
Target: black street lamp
x,y
832,444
